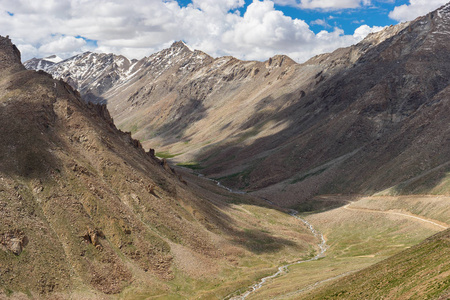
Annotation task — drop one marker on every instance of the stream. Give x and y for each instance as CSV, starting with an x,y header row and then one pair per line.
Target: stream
x,y
283,269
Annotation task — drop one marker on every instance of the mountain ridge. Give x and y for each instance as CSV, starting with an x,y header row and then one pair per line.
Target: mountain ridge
x,y
277,126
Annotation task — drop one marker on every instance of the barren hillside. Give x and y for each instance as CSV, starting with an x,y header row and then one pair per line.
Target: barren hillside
x,y
86,212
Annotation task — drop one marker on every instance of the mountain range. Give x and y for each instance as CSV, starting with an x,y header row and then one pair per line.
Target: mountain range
x,y
370,118
92,205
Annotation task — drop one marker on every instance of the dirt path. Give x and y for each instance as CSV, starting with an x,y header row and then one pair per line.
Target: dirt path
x,y
441,225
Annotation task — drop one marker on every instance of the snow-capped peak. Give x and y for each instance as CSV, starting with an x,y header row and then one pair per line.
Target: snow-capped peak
x,y
42,63
53,58
181,45
443,10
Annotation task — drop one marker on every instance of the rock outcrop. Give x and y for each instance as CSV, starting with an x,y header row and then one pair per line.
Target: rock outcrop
x,y
9,54
14,241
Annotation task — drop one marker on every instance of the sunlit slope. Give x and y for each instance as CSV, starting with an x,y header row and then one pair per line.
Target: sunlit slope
x,y
421,272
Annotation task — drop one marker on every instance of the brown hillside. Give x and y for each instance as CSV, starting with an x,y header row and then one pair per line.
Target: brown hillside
x,y
86,212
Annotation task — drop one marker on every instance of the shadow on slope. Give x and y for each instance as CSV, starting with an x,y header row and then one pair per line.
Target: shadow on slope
x,y
367,128
191,111
26,122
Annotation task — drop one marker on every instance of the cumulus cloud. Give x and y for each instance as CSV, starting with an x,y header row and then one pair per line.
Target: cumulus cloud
x,y
63,44
320,22
363,30
137,28
263,26
414,9
323,4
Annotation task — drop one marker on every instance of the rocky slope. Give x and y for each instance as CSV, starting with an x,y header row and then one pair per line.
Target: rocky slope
x,y
85,212
364,119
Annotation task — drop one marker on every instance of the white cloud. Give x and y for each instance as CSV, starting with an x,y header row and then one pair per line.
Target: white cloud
x,y
320,22
64,44
414,9
327,4
213,5
324,4
362,31
138,28
264,31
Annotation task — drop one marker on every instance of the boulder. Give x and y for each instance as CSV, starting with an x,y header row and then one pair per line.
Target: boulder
x,y
14,241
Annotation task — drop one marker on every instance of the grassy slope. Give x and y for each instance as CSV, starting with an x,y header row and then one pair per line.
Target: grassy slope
x,y
357,240
421,272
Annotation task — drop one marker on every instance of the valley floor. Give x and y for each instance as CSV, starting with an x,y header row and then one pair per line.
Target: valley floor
x,y
360,234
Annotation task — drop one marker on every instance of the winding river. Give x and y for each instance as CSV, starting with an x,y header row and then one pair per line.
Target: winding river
x,y
283,269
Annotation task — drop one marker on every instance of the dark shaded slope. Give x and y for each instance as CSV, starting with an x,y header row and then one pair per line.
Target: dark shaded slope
x,y
364,129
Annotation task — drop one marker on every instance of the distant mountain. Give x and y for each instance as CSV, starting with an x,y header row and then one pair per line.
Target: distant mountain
x,y
42,63
90,73
364,119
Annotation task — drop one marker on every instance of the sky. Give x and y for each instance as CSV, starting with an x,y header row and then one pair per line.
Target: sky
x,y
246,29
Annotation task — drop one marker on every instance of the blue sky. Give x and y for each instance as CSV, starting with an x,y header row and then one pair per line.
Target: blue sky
x,y
246,29
347,19
375,14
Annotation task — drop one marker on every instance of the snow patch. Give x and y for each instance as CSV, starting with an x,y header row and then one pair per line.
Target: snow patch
x,y
53,58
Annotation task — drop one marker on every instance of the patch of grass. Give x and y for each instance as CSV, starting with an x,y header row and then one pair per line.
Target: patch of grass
x,y
191,165
134,129
318,204
28,293
166,154
240,180
8,292
146,292
248,134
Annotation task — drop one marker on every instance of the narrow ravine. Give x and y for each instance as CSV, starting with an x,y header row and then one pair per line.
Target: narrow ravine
x,y
283,269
